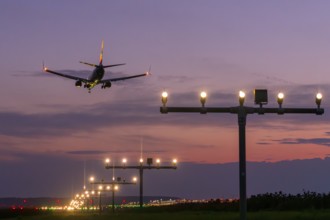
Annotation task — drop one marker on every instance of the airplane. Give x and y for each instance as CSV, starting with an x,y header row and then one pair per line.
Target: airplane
x,y
97,75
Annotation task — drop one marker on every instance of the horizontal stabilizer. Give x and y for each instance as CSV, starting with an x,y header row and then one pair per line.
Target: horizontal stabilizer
x,y
114,65
89,64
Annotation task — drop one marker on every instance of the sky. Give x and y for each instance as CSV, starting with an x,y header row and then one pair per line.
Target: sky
x,y
52,130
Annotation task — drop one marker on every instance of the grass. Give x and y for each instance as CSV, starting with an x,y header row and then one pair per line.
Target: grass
x,y
191,215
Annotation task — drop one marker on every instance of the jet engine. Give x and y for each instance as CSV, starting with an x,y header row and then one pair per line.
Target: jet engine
x,y
106,85
78,83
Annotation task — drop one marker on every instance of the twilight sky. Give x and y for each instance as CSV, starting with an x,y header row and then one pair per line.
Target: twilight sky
x,y
48,126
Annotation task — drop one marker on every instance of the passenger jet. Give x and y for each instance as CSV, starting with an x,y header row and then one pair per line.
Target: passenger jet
x,y
97,75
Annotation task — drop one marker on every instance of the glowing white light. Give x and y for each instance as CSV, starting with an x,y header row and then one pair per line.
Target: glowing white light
x,y
203,95
241,94
319,96
164,94
280,95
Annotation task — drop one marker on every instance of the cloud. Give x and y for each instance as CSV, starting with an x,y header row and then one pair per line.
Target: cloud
x,y
298,141
205,180
144,111
102,152
87,152
263,143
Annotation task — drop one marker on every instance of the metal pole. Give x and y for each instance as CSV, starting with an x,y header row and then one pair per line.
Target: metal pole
x,y
100,206
141,187
242,162
113,200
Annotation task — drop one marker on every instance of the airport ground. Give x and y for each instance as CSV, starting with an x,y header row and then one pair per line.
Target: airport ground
x,y
191,215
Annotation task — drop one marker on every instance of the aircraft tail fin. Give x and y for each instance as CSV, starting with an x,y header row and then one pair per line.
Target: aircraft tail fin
x,y
101,54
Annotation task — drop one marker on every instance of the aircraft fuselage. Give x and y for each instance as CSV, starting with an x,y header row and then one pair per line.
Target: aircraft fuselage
x,y
95,77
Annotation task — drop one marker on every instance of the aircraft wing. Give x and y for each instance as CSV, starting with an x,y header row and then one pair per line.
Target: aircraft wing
x,y
123,78
65,75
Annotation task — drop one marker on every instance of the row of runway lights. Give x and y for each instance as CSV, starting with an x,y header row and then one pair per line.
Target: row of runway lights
x,y
241,95
108,187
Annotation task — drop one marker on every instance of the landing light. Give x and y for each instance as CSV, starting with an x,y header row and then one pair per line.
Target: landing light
x,y
280,98
203,96
164,97
241,96
318,99
164,94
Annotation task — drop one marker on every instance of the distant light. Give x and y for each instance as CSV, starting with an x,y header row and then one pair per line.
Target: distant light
x,y
134,179
175,161
108,187
116,187
158,161
319,96
107,160
91,179
124,160
141,160
100,187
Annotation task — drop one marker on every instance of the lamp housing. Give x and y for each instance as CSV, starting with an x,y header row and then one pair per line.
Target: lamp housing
x,y
260,97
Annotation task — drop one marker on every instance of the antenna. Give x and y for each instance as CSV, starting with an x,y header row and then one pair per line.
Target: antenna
x,y
84,174
113,171
141,148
